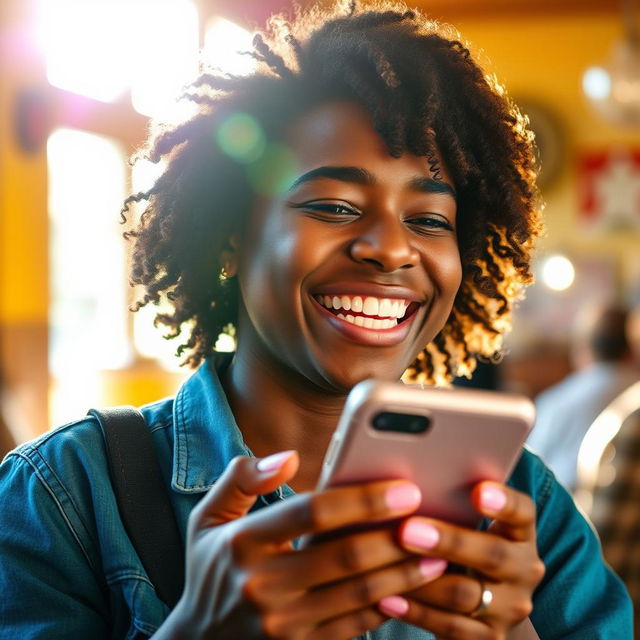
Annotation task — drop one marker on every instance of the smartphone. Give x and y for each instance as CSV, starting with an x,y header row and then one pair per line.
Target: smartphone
x,y
445,440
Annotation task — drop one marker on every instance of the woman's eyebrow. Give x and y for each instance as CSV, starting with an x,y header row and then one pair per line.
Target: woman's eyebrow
x,y
429,185
358,175
344,174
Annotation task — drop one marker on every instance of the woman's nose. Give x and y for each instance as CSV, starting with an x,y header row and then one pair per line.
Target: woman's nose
x,y
386,246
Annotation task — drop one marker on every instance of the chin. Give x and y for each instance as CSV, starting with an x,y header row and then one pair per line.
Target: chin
x,y
344,380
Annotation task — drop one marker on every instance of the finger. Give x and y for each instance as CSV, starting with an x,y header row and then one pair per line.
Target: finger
x,y
466,595
513,512
455,592
444,624
337,599
325,511
333,560
485,552
351,625
243,480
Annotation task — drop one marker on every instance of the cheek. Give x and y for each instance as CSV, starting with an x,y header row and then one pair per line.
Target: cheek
x,y
446,268
277,256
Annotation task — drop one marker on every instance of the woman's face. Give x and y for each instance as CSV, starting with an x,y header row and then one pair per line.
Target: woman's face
x,y
354,269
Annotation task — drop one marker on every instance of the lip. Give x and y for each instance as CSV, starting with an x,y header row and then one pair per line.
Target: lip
x,y
362,335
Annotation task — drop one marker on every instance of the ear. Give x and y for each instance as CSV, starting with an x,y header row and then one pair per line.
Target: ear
x,y
229,258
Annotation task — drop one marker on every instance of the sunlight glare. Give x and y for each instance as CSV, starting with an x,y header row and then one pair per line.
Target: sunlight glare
x,y
85,46
224,43
166,59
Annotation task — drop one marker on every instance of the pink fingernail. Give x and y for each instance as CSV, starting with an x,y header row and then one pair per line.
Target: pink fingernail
x,y
402,497
492,498
394,606
420,534
274,462
432,567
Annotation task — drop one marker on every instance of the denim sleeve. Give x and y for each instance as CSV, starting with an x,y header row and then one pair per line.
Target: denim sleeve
x,y
579,598
48,578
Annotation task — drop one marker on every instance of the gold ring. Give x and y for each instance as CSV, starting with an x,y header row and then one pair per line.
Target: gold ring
x,y
486,598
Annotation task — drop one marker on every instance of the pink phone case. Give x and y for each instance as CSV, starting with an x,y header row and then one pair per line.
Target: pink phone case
x,y
473,435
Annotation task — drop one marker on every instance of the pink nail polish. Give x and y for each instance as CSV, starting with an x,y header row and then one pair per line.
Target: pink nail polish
x,y
492,498
403,497
394,606
273,462
420,534
432,567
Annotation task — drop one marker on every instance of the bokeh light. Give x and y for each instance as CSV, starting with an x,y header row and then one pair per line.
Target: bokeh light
x,y
558,272
596,83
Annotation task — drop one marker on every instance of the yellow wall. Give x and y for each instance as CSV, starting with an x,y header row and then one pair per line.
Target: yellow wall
x,y
23,183
544,59
537,58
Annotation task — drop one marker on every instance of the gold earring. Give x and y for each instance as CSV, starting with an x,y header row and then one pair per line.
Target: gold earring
x,y
226,271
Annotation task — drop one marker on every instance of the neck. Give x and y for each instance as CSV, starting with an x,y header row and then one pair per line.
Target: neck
x,y
278,410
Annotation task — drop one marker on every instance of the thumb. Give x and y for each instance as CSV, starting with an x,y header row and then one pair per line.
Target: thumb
x,y
242,482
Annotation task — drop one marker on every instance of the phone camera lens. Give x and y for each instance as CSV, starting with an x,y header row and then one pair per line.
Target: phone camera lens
x,y
402,422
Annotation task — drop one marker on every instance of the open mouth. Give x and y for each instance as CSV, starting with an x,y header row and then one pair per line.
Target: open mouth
x,y
369,312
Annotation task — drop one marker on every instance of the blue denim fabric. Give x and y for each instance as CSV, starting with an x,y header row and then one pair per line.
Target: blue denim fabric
x,y
68,569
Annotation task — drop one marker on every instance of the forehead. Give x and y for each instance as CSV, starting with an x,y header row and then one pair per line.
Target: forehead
x,y
333,128
342,133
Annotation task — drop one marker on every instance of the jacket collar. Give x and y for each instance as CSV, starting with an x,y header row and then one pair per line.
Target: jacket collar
x,y
206,436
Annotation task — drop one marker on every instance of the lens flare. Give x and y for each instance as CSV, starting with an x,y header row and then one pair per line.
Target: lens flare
x,y
241,137
274,172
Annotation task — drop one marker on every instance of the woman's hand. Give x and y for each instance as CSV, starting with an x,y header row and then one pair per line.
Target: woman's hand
x,y
505,568
245,580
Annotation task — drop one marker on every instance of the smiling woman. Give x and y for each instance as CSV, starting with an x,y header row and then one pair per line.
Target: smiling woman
x,y
362,206
464,127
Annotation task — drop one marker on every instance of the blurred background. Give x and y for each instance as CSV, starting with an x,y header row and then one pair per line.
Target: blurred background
x,y
79,80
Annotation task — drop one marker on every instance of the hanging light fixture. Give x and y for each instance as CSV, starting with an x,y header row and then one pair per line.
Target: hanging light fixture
x,y
614,88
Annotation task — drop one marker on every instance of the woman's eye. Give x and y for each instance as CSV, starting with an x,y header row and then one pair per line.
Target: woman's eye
x,y
431,223
330,208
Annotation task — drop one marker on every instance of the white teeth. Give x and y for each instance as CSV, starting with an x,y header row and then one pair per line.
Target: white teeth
x,y
370,306
369,323
374,308
385,308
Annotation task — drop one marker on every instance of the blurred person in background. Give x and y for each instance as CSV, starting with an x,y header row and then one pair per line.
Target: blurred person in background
x,y
604,366
614,505
633,333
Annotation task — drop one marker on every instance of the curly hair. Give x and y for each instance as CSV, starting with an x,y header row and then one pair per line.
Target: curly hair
x,y
426,94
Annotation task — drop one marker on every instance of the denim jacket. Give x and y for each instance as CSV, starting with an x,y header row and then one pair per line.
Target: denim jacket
x,y
68,569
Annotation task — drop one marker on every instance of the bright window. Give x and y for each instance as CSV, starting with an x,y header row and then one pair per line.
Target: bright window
x,y
86,45
165,59
88,321
102,48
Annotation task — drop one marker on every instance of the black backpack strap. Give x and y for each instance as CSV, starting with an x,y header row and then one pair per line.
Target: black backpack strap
x,y
142,498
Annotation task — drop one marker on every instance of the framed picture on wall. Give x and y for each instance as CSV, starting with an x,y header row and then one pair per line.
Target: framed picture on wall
x,y
609,189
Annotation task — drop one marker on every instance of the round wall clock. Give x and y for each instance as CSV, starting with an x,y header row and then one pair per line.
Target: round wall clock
x,y
549,139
